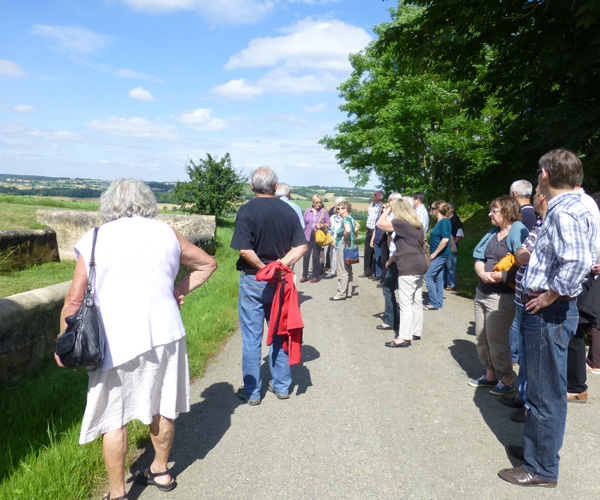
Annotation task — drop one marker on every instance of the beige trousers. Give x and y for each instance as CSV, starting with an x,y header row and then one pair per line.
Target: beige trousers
x,y
344,274
494,314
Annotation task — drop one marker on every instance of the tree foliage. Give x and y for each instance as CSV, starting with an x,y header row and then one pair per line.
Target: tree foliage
x,y
214,188
538,61
407,124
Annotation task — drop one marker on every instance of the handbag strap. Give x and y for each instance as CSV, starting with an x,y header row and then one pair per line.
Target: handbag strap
x,y
89,292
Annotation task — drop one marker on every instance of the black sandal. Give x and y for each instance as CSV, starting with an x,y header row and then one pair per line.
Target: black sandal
x,y
107,497
140,477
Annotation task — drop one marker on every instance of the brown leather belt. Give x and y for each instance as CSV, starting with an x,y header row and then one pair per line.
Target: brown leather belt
x,y
526,297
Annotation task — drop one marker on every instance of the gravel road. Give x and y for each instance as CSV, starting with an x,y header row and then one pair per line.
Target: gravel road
x,y
365,421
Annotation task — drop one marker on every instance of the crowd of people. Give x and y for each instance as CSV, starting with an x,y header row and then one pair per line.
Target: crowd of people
x,y
536,300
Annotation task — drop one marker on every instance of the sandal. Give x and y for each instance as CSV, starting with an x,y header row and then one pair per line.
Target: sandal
x,y
140,477
107,497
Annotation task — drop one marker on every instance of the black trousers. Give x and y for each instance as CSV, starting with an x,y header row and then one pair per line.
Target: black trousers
x,y
576,373
369,258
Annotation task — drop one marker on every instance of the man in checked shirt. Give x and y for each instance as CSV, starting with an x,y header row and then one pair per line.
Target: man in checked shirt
x,y
561,259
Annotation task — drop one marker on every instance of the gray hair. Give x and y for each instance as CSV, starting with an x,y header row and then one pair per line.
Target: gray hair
x,y
264,180
522,187
339,199
128,197
282,190
410,199
395,196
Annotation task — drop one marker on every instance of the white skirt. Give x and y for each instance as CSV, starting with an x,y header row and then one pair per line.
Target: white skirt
x,y
157,382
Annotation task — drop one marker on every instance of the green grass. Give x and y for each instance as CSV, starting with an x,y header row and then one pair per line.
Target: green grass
x,y
31,278
40,457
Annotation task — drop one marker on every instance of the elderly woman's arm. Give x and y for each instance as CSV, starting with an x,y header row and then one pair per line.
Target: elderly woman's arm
x,y
74,297
201,264
382,223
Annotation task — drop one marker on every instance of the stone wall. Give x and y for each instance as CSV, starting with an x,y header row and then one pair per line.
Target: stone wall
x,y
22,248
71,225
29,325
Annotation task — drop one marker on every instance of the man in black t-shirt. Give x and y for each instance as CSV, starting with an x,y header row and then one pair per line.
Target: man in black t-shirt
x,y
266,230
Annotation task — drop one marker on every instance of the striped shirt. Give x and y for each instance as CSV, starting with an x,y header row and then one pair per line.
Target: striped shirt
x,y
373,215
563,254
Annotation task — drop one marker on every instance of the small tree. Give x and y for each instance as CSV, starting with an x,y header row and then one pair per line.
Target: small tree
x,y
214,188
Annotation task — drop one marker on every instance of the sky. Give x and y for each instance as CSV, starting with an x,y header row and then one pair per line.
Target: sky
x,y
104,89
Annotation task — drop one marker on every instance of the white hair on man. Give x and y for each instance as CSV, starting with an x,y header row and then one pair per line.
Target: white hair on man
x,y
282,190
264,180
522,188
339,199
395,196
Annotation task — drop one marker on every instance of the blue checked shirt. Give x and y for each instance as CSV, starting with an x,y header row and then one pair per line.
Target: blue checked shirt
x,y
563,254
373,214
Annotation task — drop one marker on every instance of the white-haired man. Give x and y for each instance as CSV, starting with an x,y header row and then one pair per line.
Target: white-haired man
x,y
265,231
521,191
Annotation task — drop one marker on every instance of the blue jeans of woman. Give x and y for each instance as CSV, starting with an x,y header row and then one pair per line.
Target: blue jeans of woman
x,y
390,284
434,279
254,306
546,337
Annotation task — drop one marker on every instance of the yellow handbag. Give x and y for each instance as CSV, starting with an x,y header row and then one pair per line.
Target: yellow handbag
x,y
322,237
507,263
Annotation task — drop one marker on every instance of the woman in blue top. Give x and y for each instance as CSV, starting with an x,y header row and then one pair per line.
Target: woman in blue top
x,y
439,239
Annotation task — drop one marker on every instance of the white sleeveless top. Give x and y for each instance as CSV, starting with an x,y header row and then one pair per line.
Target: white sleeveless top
x,y
137,260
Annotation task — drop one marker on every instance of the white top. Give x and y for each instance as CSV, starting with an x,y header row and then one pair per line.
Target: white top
x,y
137,261
423,215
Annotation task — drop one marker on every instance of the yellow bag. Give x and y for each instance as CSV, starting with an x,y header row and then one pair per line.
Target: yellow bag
x,y
507,263
323,238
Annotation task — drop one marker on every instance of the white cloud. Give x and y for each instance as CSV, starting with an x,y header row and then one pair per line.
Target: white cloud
x,y
10,68
141,94
313,44
129,73
317,108
133,127
278,81
23,108
214,11
72,40
200,119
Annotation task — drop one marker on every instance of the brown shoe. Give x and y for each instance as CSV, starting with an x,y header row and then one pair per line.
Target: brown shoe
x,y
519,416
520,477
574,397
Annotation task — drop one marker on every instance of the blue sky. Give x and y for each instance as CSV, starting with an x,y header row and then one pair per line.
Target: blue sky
x,y
135,88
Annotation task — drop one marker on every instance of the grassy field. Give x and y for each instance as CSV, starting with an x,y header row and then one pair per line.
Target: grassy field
x,y
40,457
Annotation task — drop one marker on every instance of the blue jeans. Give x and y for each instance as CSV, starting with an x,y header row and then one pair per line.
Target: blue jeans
x,y
522,377
546,338
390,285
434,279
450,270
514,337
377,253
254,306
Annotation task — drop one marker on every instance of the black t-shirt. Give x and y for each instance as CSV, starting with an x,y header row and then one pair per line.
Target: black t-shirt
x,y
268,226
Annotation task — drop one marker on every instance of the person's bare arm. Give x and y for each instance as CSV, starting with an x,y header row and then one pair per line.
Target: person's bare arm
x,y
522,255
201,264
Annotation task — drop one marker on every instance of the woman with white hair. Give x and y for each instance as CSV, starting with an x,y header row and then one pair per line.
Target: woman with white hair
x,y
144,374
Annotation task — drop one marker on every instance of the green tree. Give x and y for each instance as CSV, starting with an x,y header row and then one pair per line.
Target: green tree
x,y
541,68
407,124
214,188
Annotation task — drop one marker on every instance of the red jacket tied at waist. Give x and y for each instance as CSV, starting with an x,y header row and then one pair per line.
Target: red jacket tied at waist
x,y
285,311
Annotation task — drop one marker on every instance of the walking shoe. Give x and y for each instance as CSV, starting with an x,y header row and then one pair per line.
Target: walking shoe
x,y
591,369
416,337
242,395
577,397
315,280
519,415
330,275
511,402
520,477
482,382
502,389
270,388
304,279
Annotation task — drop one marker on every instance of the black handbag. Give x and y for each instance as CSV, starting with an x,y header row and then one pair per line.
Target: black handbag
x,y
81,345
